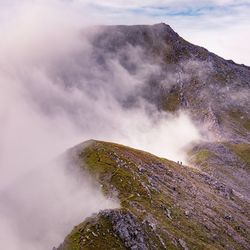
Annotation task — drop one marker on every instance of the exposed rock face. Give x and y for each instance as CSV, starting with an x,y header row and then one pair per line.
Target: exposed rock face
x,y
126,226
120,224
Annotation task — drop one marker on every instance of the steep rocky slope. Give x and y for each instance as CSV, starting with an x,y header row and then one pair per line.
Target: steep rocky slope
x,y
227,161
214,90
164,205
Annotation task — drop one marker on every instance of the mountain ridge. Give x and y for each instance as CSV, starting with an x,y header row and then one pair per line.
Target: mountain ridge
x,y
156,209
165,205
186,71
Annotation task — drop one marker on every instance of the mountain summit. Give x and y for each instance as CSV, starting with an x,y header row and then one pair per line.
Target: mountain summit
x,y
216,91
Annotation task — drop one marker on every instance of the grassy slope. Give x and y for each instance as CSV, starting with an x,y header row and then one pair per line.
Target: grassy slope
x,y
94,233
242,150
174,200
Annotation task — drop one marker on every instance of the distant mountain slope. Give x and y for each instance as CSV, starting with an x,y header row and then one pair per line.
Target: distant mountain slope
x,y
164,205
215,91
227,161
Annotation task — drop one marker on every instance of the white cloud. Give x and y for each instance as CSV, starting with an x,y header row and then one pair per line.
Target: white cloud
x,y
54,95
161,3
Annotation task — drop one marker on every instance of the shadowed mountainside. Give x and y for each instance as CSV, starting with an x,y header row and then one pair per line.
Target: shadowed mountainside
x,y
214,90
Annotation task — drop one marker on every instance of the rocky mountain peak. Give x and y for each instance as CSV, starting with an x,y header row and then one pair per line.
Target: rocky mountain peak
x,y
165,205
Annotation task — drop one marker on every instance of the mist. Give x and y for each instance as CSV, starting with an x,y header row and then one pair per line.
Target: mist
x,y
58,90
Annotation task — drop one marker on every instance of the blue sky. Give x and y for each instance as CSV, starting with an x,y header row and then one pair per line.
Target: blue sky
x,y
190,8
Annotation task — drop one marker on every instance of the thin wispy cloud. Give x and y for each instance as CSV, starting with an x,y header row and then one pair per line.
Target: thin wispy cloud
x,y
167,7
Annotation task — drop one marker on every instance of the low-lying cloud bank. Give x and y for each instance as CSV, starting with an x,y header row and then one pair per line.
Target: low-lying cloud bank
x,y
41,208
56,91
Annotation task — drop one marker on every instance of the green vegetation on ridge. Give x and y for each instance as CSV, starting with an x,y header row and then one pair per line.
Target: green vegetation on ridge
x,y
158,193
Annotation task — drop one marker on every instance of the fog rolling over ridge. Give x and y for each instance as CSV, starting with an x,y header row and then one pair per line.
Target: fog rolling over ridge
x,y
57,90
40,209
